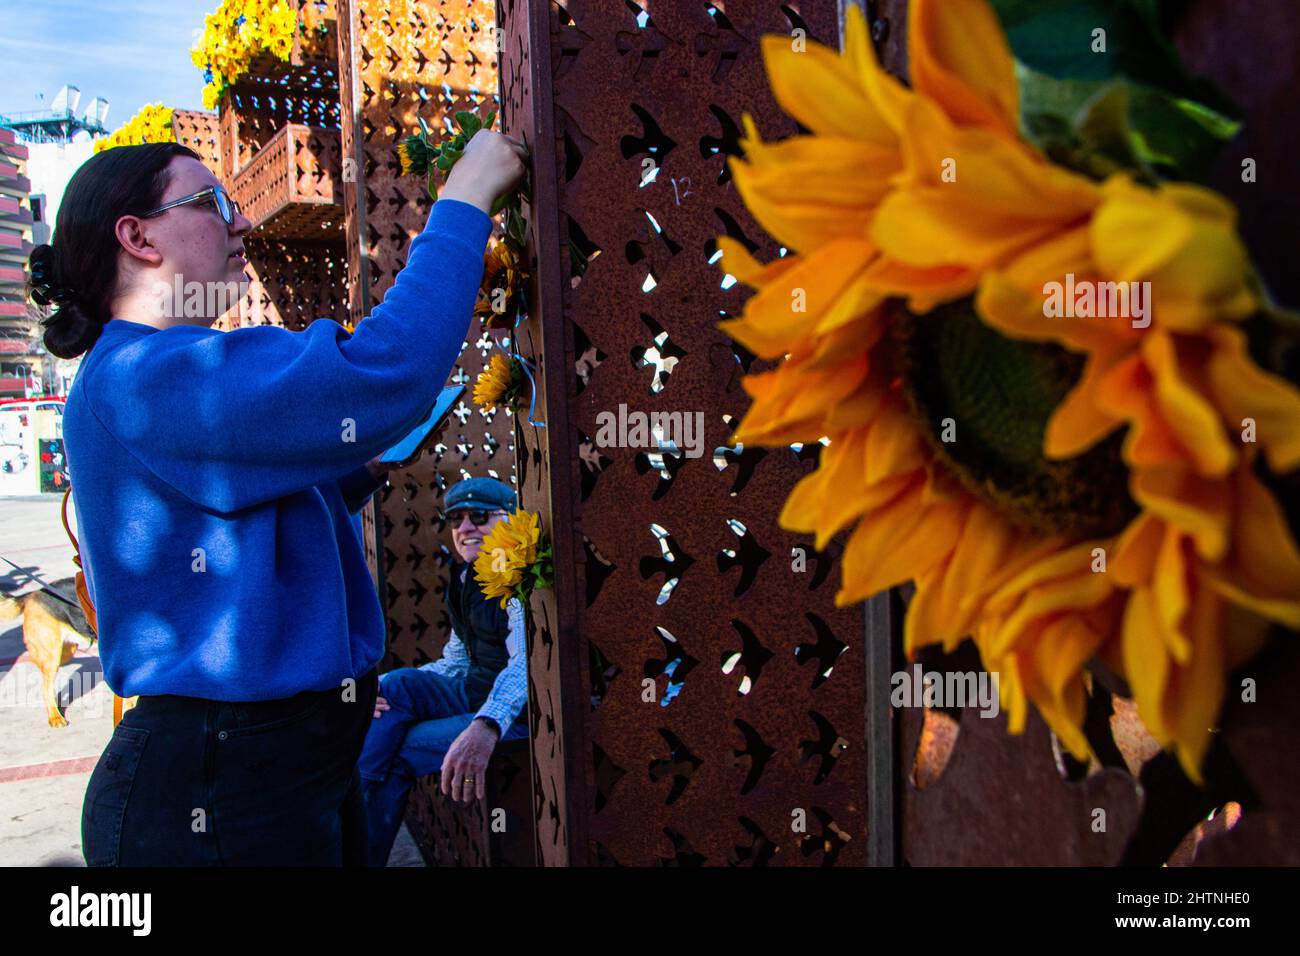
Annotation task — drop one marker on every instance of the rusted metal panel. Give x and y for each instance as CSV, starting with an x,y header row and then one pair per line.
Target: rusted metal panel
x,y
675,568
201,132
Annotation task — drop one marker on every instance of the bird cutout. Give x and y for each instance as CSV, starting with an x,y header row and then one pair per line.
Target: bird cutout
x,y
758,852
414,557
675,666
598,568
680,766
490,446
550,723
722,47
672,563
746,460
417,591
461,412
683,853
641,46
411,522
654,142
603,671
647,243
828,746
755,756
608,774
825,651
668,460
410,487
751,657
829,842
419,626
588,358
749,559
576,145
593,463
728,144
461,377
662,355
571,41
582,251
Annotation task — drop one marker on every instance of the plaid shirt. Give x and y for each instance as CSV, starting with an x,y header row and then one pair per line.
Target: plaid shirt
x,y
510,691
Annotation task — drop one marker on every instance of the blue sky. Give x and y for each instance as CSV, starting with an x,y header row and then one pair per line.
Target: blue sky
x,y
131,52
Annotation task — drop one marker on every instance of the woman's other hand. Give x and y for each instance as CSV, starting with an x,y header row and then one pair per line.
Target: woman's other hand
x,y
492,165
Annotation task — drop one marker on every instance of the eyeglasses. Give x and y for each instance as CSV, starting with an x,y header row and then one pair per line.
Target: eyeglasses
x,y
477,518
226,206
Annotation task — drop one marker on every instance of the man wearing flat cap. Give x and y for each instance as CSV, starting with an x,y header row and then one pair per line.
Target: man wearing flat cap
x,y
447,716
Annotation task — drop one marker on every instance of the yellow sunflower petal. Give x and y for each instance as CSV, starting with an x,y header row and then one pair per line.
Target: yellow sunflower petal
x,y
959,57
1243,390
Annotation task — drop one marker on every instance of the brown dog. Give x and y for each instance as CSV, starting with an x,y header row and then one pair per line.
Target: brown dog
x,y
50,633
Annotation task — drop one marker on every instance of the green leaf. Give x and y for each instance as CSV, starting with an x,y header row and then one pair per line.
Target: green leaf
x,y
469,122
1099,127
1057,37
487,122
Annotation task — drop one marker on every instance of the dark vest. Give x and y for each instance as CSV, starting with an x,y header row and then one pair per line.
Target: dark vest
x,y
482,625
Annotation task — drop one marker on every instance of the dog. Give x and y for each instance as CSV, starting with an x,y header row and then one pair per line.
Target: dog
x,y
52,633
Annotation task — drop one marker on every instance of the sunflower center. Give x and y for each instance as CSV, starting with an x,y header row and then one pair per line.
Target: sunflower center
x,y
986,400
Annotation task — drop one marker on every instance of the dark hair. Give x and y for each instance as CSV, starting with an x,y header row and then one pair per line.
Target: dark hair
x,y
78,271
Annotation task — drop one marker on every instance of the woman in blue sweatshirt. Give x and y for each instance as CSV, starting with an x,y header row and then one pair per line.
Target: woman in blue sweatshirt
x,y
217,475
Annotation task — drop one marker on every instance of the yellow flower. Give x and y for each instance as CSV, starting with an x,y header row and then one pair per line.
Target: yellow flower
x,y
153,124
508,551
927,196
499,290
404,157
236,34
495,382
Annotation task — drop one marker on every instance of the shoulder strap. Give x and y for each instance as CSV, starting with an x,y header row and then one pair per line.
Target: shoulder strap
x,y
83,592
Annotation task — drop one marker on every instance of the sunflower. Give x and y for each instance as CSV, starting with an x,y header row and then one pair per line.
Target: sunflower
x,y
513,559
1058,489
414,155
500,383
499,292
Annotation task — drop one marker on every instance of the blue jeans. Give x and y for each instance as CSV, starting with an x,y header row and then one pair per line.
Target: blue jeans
x,y
427,712
187,781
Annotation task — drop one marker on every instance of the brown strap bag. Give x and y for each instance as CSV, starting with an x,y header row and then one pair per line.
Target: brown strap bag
x,y
83,593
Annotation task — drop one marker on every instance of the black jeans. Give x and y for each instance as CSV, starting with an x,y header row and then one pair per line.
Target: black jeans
x,y
186,781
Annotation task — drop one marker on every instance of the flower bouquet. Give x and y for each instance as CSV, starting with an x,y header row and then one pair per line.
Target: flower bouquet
x,y
502,294
515,559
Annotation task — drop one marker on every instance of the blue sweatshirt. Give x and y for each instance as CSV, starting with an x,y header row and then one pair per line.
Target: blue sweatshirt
x,y
216,475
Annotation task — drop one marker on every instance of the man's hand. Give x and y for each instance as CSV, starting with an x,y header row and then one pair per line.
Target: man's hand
x,y
465,766
381,705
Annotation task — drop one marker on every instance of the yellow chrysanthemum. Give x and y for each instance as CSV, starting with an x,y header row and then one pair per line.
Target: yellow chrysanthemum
x,y
508,551
153,124
925,197
236,34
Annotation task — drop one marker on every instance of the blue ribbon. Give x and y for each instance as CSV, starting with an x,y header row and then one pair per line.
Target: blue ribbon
x,y
527,366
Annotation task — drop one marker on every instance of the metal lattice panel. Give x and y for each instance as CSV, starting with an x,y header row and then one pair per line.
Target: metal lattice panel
x,y
670,569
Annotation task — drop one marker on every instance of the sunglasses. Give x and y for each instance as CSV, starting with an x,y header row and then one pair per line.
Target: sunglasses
x,y
477,517
217,195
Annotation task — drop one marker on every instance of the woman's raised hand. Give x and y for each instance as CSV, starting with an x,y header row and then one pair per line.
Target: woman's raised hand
x,y
492,165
